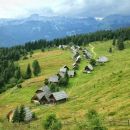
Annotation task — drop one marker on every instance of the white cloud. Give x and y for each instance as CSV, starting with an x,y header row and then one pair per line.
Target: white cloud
x,y
99,8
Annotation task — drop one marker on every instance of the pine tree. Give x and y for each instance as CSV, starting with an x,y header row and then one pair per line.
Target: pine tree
x,y
42,49
16,116
110,50
114,41
22,113
36,67
18,73
28,72
120,44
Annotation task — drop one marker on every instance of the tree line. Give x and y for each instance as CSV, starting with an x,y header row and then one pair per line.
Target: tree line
x,y
11,75
9,56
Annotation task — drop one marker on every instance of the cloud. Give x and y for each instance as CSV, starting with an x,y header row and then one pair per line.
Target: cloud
x,y
97,8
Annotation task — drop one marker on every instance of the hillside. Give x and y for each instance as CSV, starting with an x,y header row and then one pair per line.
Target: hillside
x,y
106,89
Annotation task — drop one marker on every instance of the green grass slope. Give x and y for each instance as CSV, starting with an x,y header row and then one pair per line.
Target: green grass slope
x,y
106,89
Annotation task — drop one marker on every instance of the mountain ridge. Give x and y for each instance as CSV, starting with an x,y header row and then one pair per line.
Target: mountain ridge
x,y
35,27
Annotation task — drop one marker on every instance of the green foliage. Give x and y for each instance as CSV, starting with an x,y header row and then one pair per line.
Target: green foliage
x,y
42,49
93,121
28,72
114,41
36,68
54,87
120,44
16,116
93,62
64,81
52,123
18,73
34,116
19,86
46,81
13,80
22,114
110,50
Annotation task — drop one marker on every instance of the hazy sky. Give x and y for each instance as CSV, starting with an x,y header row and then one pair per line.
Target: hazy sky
x,y
97,8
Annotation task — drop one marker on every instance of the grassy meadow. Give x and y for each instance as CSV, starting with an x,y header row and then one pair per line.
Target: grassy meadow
x,y
106,89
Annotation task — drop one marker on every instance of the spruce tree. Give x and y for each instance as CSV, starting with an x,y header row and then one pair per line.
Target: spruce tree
x,y
16,116
110,50
18,73
36,67
114,41
42,49
22,113
120,44
28,72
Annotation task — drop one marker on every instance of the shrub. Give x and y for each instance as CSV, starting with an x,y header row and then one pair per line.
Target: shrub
x,y
52,123
19,86
13,80
34,116
93,62
94,121
46,81
54,87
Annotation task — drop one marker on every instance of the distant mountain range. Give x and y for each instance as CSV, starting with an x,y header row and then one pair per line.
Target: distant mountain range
x,y
19,31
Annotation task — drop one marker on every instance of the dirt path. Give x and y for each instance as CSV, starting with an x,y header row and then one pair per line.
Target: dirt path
x,y
92,50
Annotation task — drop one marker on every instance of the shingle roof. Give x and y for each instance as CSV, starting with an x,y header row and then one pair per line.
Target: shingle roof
x,y
63,70
46,92
44,88
28,115
71,73
102,59
40,95
62,74
54,79
90,67
60,95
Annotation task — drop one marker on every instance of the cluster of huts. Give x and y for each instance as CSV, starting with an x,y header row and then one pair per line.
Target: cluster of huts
x,y
76,56
90,66
86,54
44,95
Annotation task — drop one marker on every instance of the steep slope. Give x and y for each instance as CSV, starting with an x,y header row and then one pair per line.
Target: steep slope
x,y
106,89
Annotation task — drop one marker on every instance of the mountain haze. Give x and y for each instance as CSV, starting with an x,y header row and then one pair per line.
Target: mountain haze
x,y
19,31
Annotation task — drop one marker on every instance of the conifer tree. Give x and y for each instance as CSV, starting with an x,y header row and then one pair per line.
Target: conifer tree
x,y
110,50
36,67
22,113
114,41
120,44
18,73
28,72
16,116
